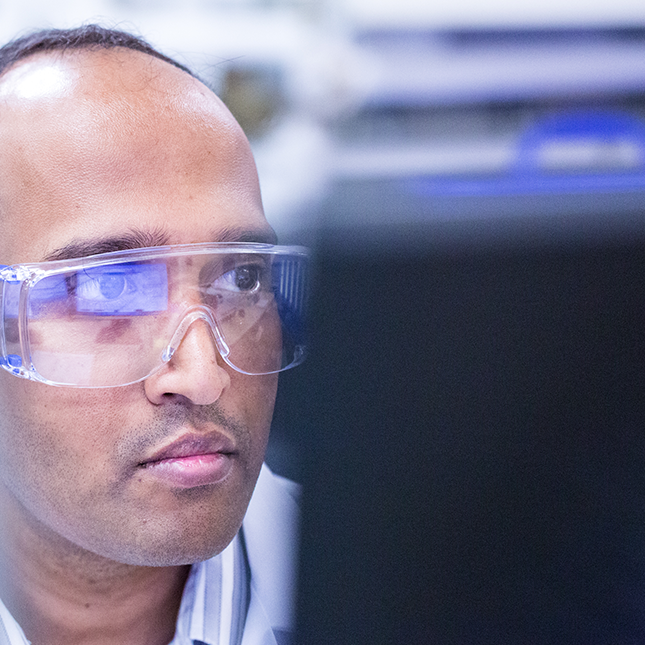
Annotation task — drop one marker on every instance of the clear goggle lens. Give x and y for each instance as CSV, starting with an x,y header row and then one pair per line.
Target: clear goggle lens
x,y
115,319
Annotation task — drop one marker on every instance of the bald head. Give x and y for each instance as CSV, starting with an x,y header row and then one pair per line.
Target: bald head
x,y
113,133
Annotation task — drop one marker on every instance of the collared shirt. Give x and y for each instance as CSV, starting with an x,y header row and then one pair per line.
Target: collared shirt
x,y
244,595
215,599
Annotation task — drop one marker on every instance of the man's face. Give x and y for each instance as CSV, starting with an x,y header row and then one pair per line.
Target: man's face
x,y
98,146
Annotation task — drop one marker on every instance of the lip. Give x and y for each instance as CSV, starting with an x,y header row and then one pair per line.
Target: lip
x,y
192,460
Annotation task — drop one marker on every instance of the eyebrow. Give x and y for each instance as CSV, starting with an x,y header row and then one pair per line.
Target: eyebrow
x,y
137,239
261,236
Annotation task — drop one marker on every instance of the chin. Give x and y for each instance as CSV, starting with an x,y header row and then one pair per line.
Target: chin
x,y
169,556
158,544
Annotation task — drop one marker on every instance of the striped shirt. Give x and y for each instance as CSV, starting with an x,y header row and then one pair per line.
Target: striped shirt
x,y
244,595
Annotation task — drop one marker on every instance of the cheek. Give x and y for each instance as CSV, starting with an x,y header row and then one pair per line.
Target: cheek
x,y
251,399
78,411
54,442
258,396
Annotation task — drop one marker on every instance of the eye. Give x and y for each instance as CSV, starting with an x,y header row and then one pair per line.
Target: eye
x,y
102,286
111,285
246,278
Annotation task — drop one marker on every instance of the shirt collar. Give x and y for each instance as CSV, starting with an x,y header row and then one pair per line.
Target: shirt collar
x,y
10,632
215,599
271,538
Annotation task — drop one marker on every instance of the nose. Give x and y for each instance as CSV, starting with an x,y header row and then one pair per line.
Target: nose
x,y
195,370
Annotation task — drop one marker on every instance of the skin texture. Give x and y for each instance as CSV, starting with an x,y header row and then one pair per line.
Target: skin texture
x,y
93,145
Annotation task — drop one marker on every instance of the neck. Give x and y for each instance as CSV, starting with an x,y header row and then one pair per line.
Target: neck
x,y
62,594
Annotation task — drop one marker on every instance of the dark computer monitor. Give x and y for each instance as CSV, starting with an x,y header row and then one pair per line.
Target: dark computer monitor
x,y
472,419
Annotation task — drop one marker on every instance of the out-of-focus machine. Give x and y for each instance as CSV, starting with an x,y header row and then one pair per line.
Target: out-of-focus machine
x,y
472,417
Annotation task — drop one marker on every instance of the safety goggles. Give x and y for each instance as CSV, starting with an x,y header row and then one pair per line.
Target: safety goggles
x,y
116,318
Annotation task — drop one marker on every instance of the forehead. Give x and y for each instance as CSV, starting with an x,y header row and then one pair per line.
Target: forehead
x,y
99,143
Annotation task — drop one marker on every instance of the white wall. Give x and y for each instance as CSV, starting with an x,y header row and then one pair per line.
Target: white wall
x,y
496,13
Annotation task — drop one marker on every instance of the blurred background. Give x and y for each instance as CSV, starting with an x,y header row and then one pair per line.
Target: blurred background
x,y
471,176
344,90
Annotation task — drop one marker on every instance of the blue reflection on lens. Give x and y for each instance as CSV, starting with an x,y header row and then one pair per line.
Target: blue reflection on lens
x,y
122,289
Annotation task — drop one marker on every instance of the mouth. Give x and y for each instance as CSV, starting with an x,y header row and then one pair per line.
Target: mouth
x,y
191,461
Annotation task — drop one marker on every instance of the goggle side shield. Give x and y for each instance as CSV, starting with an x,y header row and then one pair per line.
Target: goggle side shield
x,y
115,318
